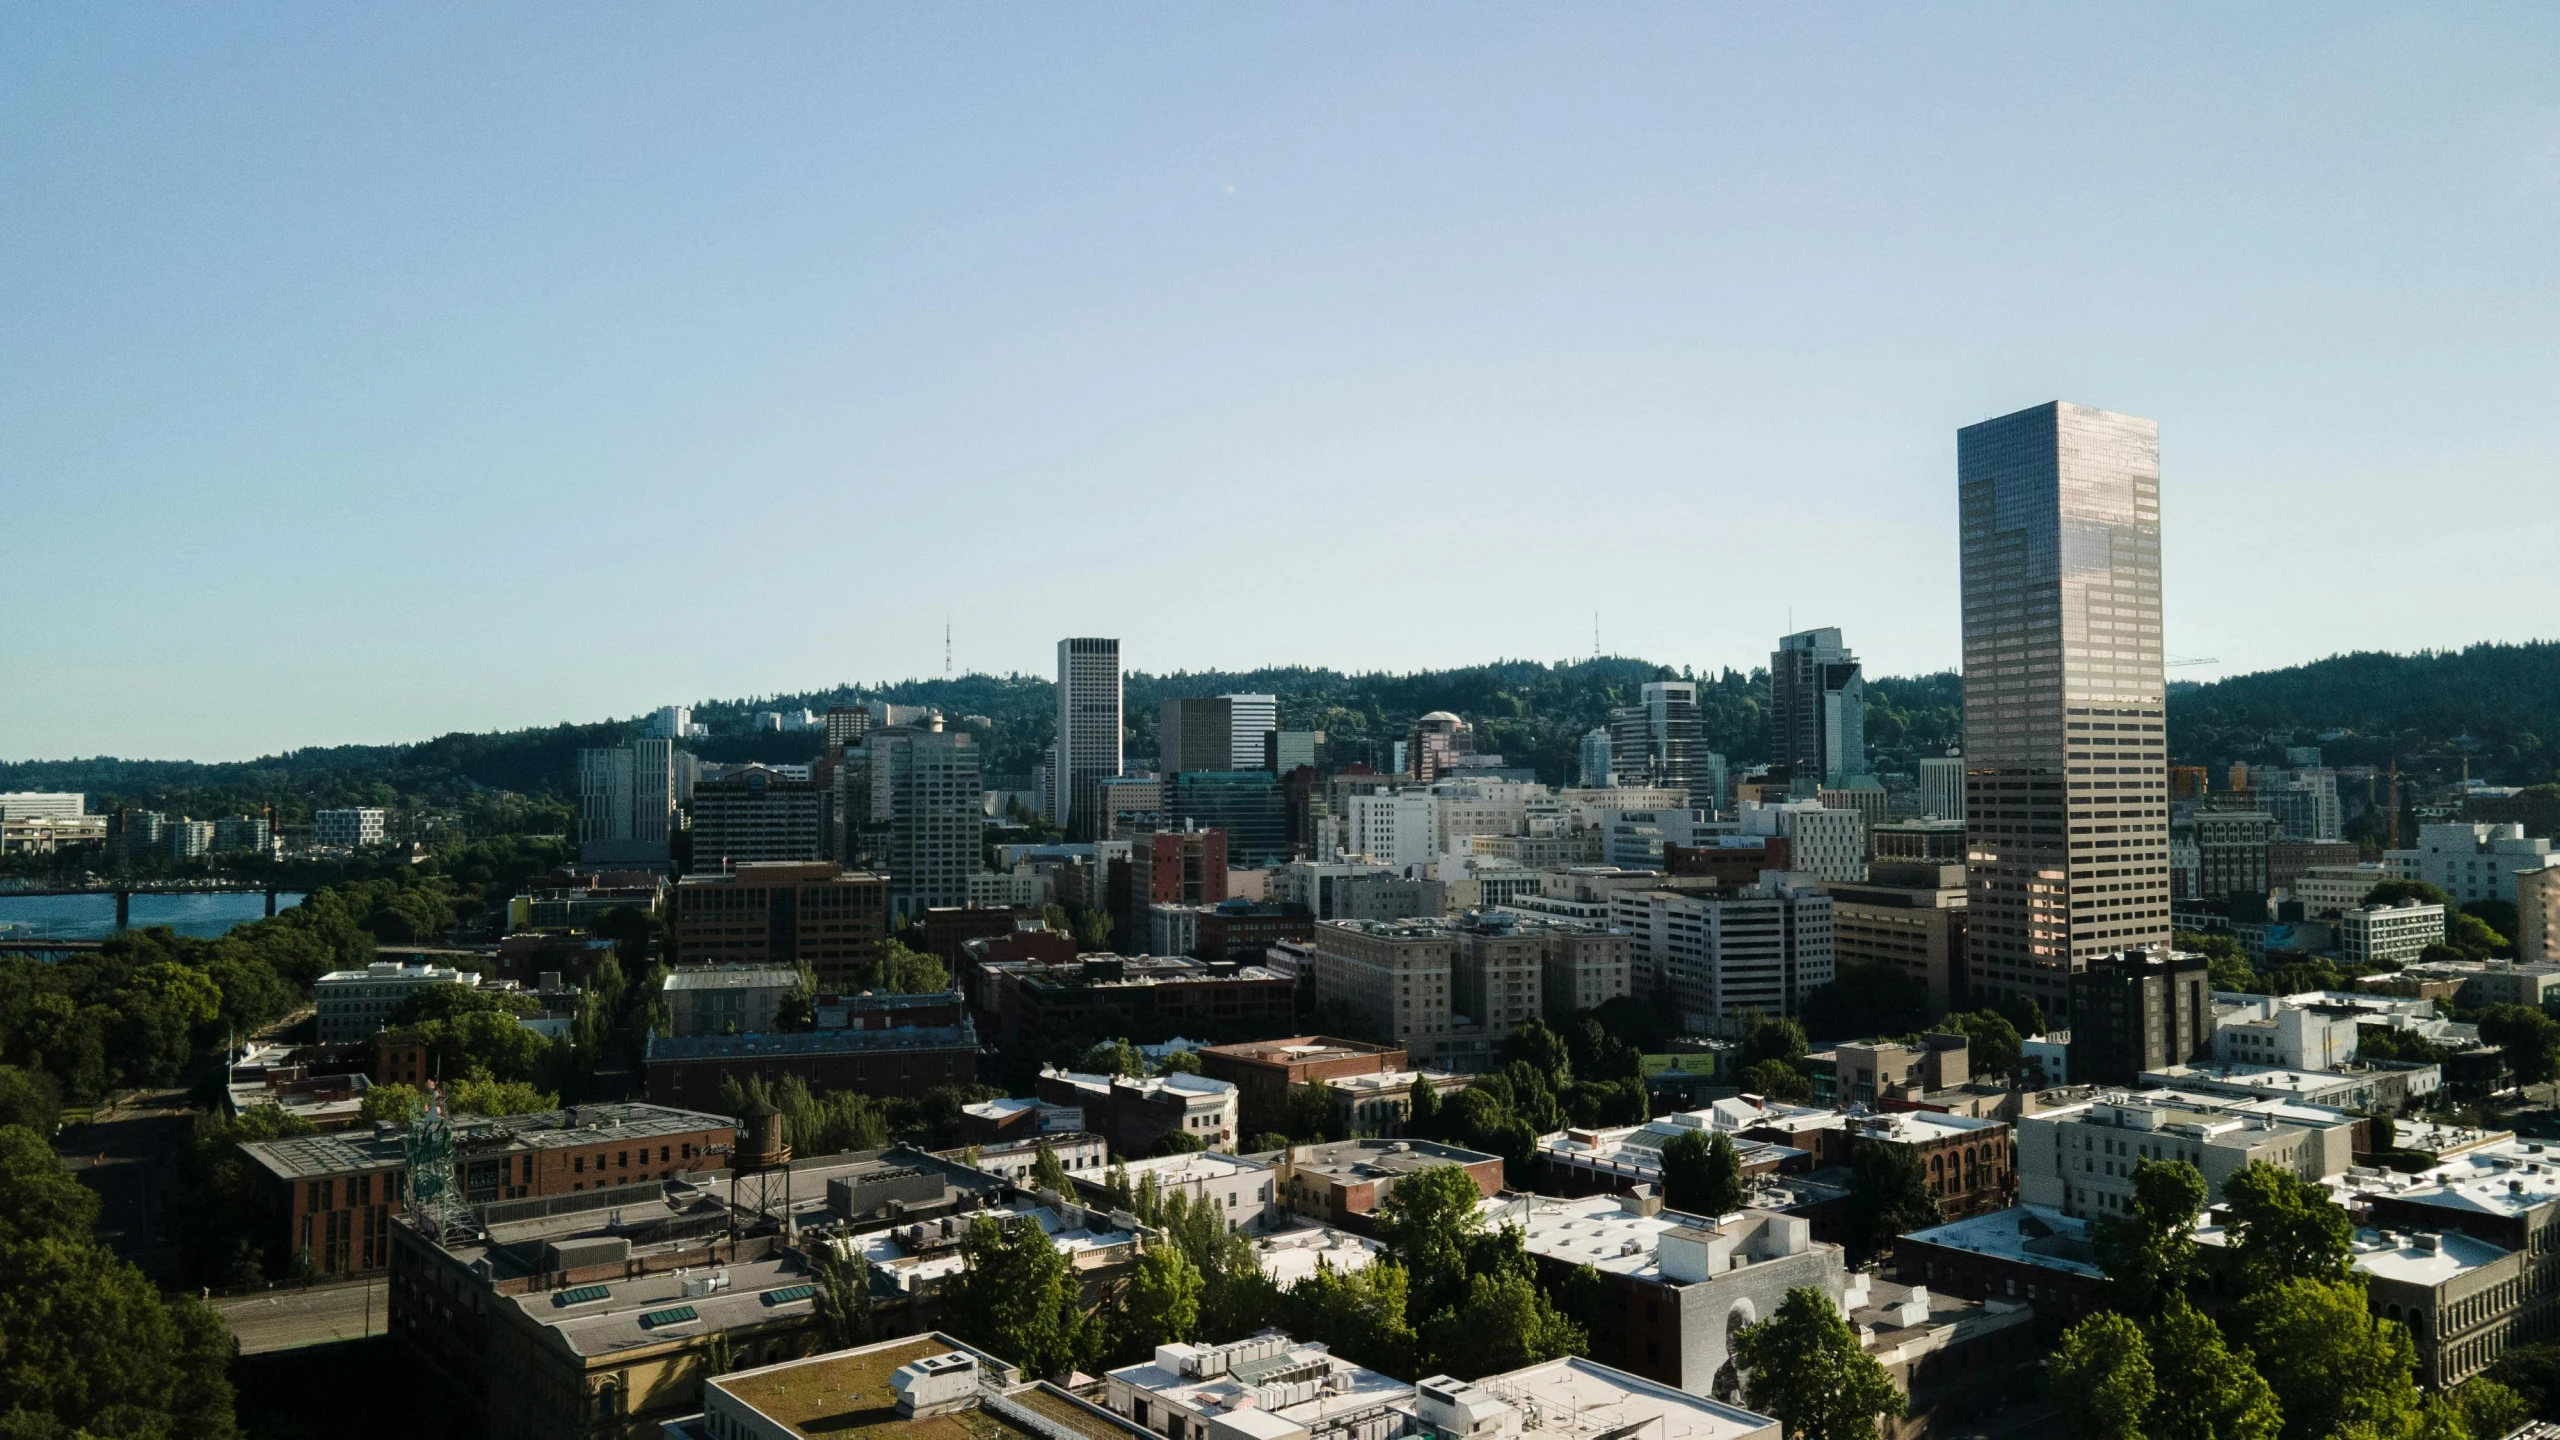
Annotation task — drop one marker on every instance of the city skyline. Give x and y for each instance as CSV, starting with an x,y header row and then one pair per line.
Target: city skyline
x,y
337,397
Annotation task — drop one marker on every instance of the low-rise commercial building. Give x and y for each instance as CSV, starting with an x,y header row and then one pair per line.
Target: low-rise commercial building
x,y
2267,1030
1343,1183
352,1004
1686,1284
335,1196
1144,995
1382,1103
2389,934
1136,1112
727,999
347,829
1239,1190
2079,1159
2028,1254
1971,1167
1265,1071
877,1044
1268,1387
1907,915
1619,1159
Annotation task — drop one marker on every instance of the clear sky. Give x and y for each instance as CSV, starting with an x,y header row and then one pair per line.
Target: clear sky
x,y
372,371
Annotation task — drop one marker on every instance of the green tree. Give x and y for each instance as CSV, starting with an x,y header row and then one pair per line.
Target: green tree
x,y
2101,1377
2206,1391
2530,1038
1767,1039
494,1098
1179,1062
2409,892
1016,1296
395,1103
2330,1361
901,970
1992,1046
1427,1222
2148,1250
1423,1123
30,1098
1363,1314
1113,1057
1049,1173
1504,1322
1177,1142
1807,1368
1162,1306
2229,970
2285,1228
1307,1115
91,1347
451,1001
38,1198
843,1301
1701,1173
2489,1410
1776,1080
1590,1302
1542,1048
1888,1196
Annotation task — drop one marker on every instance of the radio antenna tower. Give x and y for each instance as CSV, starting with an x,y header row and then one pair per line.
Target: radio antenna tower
x,y
1595,634
946,647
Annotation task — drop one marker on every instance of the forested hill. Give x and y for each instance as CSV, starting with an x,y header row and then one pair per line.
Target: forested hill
x,y
2496,706
2488,704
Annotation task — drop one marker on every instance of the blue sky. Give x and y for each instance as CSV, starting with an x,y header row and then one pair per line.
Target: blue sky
x,y
375,371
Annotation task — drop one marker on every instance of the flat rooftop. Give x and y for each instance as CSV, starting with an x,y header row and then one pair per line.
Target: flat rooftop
x,y
1298,1049
654,1309
963,1036
1370,1159
2028,1234
847,1393
732,977
1580,1398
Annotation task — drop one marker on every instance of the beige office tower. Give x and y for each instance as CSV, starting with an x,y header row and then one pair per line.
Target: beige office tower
x,y
1088,746
2066,805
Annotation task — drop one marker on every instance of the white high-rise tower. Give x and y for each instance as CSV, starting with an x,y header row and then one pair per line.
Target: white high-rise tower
x,y
1089,735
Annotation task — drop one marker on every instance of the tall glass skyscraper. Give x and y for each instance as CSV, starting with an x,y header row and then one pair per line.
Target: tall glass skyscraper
x,y
1817,709
2066,805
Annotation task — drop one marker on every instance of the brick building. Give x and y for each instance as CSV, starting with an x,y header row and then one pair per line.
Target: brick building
x,y
335,1195
1177,867
780,914
1265,1071
1237,929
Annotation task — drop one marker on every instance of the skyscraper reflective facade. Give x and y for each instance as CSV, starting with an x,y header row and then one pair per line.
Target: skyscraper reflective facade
x,y
2066,804
1661,741
1817,709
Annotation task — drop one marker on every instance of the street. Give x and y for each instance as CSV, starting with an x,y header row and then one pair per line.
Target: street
x,y
288,1319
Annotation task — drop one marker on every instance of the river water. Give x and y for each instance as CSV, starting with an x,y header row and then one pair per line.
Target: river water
x,y
93,917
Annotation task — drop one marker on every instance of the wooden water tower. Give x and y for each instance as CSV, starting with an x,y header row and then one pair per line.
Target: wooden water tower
x,y
759,1167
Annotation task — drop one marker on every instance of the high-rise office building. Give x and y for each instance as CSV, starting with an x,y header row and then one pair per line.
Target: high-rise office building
x,y
1197,734
627,802
928,779
2066,782
757,814
1817,708
1942,786
1246,804
1254,716
1089,735
1660,742
1594,769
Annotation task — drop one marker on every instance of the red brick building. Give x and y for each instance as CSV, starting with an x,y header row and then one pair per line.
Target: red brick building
x,y
1343,1183
1177,867
1243,930
1265,1071
333,1195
